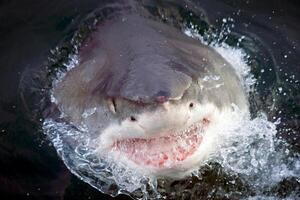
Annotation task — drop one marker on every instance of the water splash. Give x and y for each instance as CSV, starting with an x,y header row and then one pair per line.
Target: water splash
x,y
250,148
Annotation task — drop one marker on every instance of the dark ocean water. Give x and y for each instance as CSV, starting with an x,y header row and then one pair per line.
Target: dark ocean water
x,y
30,167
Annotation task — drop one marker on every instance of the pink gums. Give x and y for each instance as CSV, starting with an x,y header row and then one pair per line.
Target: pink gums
x,y
163,151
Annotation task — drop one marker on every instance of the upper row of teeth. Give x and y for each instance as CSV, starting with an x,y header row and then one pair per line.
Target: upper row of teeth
x,y
197,128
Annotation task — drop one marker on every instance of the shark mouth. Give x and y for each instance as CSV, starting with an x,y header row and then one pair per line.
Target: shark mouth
x,y
163,151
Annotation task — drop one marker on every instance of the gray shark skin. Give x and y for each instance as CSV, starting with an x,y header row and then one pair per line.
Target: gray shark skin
x,y
138,80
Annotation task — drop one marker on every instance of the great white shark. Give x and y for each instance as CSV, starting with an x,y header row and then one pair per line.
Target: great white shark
x,y
148,94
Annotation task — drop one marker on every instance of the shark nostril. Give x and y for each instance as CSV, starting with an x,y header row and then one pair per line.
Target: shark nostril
x,y
112,105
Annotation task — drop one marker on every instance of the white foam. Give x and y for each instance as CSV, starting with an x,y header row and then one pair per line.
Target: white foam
x,y
235,56
72,62
250,147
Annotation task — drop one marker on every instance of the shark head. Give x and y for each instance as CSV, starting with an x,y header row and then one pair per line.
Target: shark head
x,y
149,95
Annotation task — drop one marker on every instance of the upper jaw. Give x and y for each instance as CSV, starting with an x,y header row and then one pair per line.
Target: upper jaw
x,y
156,124
116,133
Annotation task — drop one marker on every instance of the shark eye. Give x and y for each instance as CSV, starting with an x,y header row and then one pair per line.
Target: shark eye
x,y
132,118
191,105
